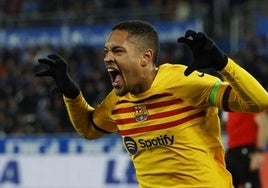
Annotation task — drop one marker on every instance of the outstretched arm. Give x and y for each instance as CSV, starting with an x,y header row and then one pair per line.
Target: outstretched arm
x,y
242,92
246,93
79,111
81,117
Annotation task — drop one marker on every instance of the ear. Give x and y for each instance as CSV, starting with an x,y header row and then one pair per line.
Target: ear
x,y
147,57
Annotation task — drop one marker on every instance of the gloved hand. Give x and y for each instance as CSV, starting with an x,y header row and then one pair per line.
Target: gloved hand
x,y
206,53
58,70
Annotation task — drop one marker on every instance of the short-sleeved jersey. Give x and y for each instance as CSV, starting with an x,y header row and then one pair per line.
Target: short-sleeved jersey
x,y
171,132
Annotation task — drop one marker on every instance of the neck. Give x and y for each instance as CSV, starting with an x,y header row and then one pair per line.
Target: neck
x,y
146,81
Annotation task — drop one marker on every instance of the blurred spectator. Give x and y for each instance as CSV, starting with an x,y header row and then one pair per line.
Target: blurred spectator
x,y
246,141
26,103
12,7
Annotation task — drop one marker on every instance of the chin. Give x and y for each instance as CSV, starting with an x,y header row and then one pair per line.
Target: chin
x,y
120,92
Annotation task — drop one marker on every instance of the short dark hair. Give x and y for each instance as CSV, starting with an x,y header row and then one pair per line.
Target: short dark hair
x,y
143,30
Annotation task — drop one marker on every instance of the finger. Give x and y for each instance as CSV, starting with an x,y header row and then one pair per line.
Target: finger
x,y
185,41
191,68
57,59
190,34
43,73
46,62
54,56
202,38
182,40
199,42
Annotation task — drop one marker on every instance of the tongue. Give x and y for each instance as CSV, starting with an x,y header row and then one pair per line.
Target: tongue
x,y
116,79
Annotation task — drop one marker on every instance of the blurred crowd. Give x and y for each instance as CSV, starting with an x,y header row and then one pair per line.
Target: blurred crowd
x,y
20,6
28,107
55,12
26,103
15,7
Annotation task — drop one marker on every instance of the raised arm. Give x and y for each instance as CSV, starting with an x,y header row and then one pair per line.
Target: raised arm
x,y
244,92
79,111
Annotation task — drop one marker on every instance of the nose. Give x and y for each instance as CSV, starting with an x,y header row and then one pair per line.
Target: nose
x,y
108,57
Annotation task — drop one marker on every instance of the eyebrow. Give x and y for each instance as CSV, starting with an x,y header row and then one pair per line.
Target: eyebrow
x,y
113,47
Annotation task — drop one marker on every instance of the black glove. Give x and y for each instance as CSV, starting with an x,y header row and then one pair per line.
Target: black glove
x,y
206,53
58,70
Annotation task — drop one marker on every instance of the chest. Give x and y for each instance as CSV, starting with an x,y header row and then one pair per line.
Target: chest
x,y
158,113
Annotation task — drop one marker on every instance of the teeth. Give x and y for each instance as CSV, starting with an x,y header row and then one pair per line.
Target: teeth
x,y
110,70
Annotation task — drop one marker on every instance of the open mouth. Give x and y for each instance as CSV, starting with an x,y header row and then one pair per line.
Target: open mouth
x,y
115,76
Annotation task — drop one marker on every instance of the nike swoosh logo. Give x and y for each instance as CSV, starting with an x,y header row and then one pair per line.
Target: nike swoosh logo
x,y
201,74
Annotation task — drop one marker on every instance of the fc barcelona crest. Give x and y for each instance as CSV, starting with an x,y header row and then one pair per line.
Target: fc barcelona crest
x,y
140,113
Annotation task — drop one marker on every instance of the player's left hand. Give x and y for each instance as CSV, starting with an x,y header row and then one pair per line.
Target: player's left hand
x,y
206,53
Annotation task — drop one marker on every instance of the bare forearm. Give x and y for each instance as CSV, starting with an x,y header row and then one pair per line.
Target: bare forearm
x,y
262,121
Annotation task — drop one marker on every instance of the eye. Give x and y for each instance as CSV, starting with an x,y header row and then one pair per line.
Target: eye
x,y
115,51
118,51
106,51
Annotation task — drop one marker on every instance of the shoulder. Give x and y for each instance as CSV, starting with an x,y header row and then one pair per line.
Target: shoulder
x,y
110,100
170,71
172,67
176,71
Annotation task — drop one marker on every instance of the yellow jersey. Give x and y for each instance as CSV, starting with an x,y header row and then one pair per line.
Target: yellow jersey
x,y
172,131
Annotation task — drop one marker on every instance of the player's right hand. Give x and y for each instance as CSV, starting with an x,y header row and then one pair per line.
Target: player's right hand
x,y
57,68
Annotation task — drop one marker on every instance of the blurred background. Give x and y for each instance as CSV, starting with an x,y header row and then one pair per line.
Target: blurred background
x,y
33,124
